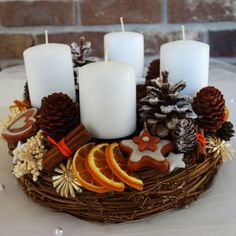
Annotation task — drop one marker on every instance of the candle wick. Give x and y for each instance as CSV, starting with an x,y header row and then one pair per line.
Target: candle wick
x,y
46,36
122,24
106,53
183,32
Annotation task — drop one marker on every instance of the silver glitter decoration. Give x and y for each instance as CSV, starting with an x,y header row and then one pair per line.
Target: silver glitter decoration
x,y
2,187
58,231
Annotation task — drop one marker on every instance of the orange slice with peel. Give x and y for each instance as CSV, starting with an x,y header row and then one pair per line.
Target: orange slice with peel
x,y
97,166
226,117
118,164
81,173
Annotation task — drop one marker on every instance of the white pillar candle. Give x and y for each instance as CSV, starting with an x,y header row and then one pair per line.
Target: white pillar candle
x,y
126,47
186,60
108,99
49,69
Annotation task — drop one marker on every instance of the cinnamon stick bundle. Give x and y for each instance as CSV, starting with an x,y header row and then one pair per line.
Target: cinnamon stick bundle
x,y
75,139
199,154
201,147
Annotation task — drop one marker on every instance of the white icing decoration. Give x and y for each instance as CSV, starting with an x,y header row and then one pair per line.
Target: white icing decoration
x,y
7,130
146,138
136,155
19,123
167,109
153,100
175,161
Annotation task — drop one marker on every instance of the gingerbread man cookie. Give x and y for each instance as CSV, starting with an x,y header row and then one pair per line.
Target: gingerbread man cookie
x,y
147,151
22,127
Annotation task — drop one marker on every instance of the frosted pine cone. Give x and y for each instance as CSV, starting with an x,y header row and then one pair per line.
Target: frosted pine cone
x,y
58,115
80,52
185,135
209,105
163,106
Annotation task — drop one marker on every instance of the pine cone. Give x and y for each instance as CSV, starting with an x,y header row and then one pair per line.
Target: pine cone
x,y
153,70
26,92
209,105
185,135
58,115
80,52
226,132
163,106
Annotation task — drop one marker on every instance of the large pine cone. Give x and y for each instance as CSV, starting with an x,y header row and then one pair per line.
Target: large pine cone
x,y
58,115
153,70
163,105
185,135
209,105
226,132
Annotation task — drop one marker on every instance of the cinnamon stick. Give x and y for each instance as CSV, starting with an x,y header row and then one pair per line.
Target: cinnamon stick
x,y
75,139
68,137
201,147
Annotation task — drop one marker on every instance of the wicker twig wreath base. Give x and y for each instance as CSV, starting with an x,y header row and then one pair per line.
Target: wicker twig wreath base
x,y
160,193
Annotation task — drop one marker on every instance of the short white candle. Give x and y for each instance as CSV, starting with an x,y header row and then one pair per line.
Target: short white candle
x,y
126,47
108,99
49,69
186,60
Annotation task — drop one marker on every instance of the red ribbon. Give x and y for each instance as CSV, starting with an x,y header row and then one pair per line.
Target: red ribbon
x,y
61,145
201,139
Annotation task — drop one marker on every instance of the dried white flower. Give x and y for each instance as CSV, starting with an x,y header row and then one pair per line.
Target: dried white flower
x,y
65,183
29,157
218,147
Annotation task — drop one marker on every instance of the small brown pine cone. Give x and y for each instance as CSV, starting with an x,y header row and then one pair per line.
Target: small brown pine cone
x,y
209,105
153,70
226,132
58,115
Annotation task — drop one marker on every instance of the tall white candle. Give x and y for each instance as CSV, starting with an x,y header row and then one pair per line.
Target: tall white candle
x,y
108,99
49,69
126,47
186,60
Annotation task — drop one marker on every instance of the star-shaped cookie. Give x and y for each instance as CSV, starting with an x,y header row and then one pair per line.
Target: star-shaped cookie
x,y
153,159
175,161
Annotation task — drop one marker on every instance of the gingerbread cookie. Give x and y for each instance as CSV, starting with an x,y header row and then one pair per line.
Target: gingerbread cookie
x,y
22,127
147,151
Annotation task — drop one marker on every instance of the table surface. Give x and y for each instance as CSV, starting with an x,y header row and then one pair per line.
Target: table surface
x,y
213,214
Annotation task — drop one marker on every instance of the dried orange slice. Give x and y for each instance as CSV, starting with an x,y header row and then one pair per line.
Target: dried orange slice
x,y
99,169
81,173
118,164
226,117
